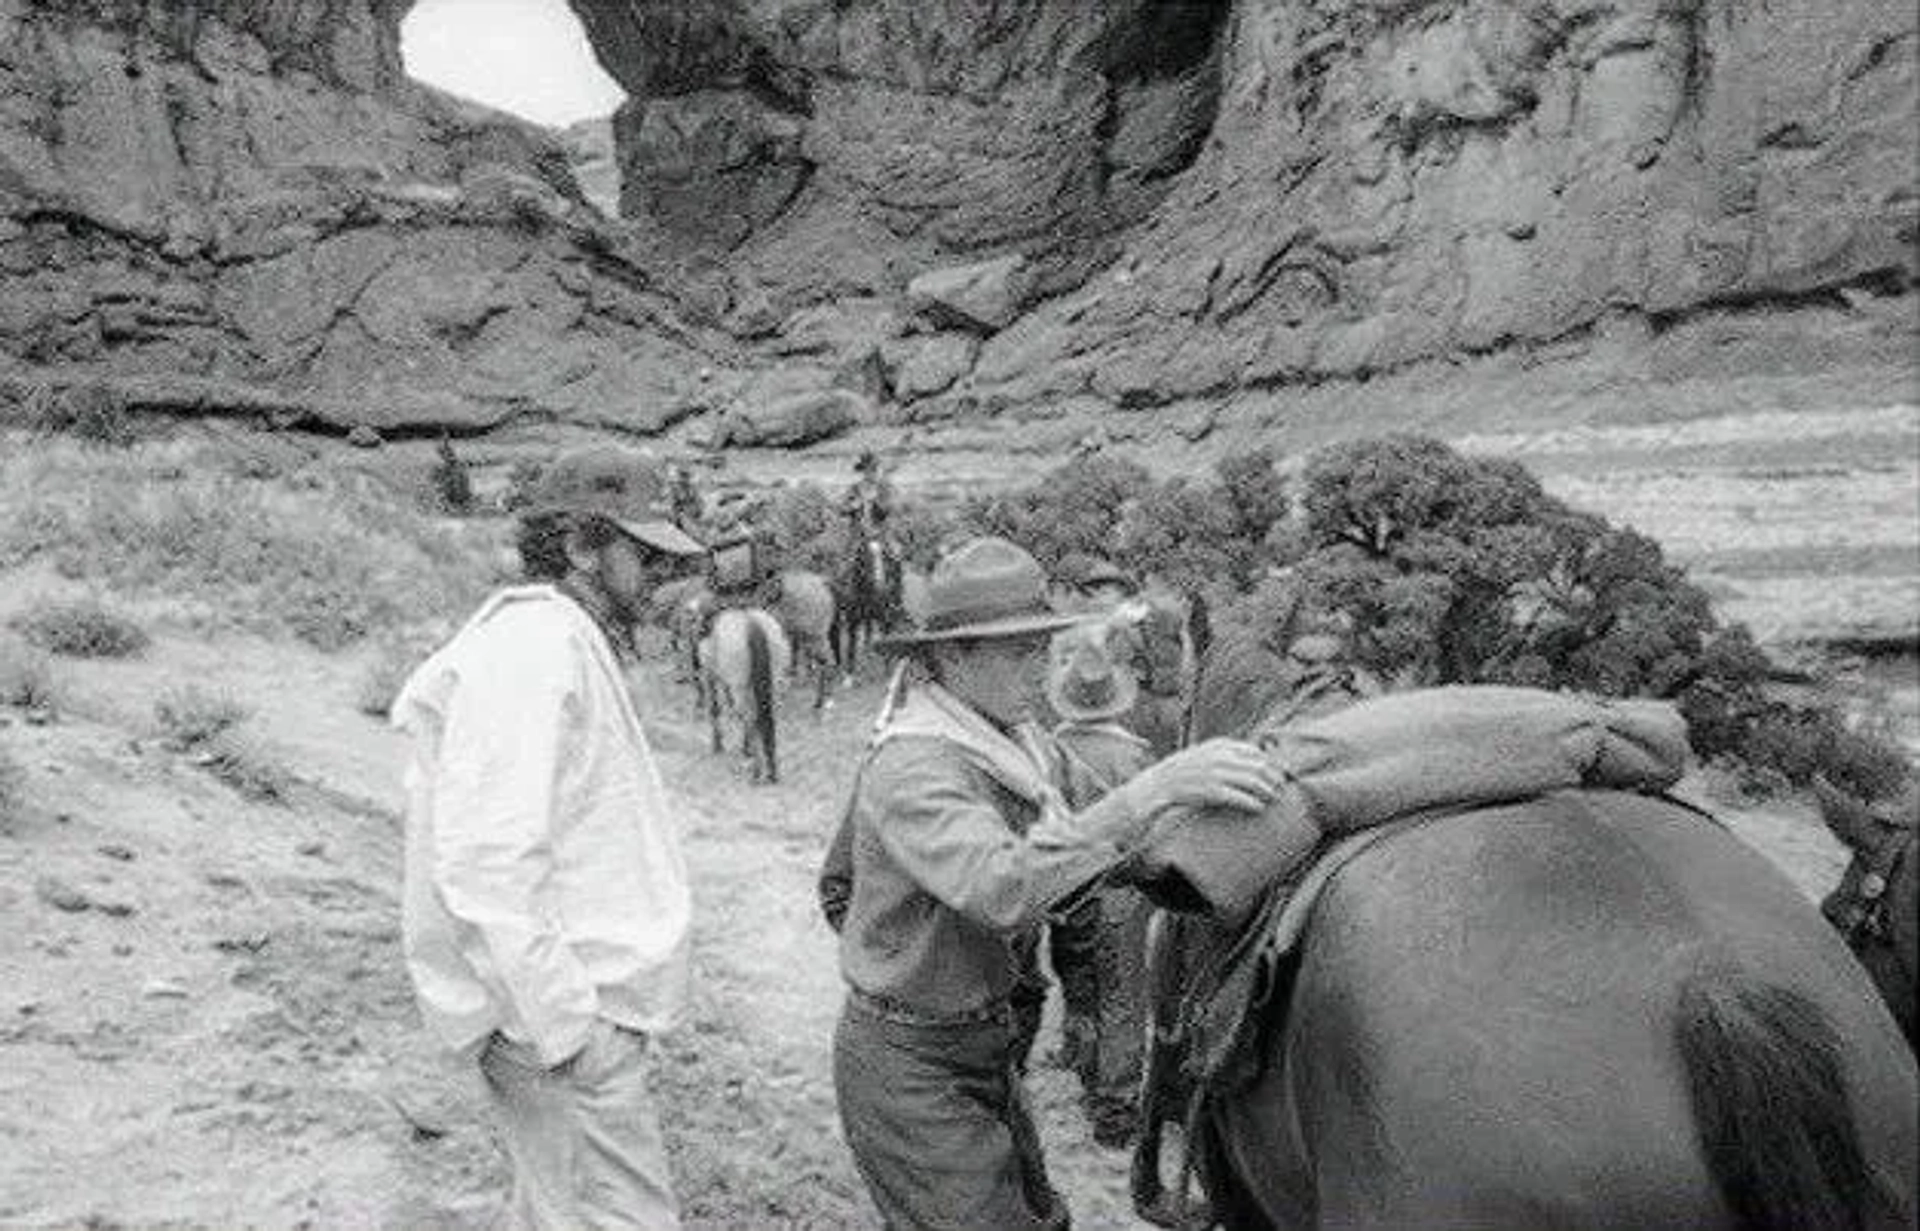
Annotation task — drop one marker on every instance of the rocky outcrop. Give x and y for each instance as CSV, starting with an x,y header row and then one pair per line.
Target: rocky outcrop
x,y
901,128
1389,185
222,203
1274,191
251,207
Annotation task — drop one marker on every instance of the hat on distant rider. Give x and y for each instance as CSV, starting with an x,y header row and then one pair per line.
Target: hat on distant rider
x,y
986,587
628,489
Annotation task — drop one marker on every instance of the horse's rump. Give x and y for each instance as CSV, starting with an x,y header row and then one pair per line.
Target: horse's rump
x,y
1483,1026
743,654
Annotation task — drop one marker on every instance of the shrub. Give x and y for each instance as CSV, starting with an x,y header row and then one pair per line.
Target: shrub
x,y
1075,508
243,763
26,675
452,485
94,413
521,477
81,628
190,716
921,530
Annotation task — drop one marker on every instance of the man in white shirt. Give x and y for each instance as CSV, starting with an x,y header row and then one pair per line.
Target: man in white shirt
x,y
546,904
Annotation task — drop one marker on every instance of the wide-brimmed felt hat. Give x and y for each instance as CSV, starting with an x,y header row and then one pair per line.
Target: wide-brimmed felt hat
x,y
628,489
1085,682
985,588
1098,571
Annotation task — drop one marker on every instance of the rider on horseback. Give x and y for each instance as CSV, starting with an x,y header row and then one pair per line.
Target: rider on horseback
x,y
869,499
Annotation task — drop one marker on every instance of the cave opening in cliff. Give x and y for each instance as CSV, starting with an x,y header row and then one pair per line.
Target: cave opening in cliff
x,y
527,57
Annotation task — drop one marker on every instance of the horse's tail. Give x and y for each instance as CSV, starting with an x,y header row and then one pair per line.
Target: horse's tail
x,y
760,683
1770,1104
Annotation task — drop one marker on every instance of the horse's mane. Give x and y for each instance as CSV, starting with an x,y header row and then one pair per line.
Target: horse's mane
x,y
1241,677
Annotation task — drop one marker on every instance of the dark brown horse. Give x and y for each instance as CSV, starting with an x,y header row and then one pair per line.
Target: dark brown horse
x,y
1584,1009
1876,906
866,592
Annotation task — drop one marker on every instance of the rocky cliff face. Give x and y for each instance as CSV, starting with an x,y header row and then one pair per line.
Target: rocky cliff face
x,y
949,203
245,206
1280,191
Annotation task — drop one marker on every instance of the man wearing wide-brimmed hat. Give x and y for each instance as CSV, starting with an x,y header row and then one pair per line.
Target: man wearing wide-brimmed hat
x,y
546,904
1098,943
954,847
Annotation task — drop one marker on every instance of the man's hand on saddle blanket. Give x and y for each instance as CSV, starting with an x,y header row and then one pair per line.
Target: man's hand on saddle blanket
x,y
1220,773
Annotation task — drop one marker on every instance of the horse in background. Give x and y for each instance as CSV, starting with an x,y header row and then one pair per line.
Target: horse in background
x,y
1587,1008
741,656
803,603
1876,905
683,607
866,591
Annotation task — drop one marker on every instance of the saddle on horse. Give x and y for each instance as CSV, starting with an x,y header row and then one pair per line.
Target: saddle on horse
x,y
1355,777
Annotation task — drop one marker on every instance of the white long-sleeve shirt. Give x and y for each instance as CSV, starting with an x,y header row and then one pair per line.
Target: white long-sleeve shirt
x,y
545,884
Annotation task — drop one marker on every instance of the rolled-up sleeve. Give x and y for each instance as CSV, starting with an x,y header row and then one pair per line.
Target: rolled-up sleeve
x,y
936,819
493,854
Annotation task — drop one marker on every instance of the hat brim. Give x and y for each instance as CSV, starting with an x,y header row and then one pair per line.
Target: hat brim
x,y
985,630
662,536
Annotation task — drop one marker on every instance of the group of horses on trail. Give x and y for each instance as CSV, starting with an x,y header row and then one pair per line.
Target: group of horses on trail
x,y
738,645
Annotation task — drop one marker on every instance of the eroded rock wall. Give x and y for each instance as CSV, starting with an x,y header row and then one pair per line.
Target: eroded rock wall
x,y
232,205
1388,183
1280,190
246,203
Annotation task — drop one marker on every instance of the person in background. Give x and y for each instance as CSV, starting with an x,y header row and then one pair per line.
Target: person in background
x,y
954,846
546,904
683,499
1098,943
869,500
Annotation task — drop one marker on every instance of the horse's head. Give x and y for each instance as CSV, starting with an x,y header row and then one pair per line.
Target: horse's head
x,y
1285,661
1874,904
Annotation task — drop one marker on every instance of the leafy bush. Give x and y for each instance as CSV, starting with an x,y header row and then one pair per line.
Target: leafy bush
x,y
243,763
452,485
81,628
190,716
94,413
1075,508
1438,568
26,675
521,477
921,530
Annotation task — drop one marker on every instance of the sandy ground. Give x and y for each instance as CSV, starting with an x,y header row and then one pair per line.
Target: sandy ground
x,y
204,1021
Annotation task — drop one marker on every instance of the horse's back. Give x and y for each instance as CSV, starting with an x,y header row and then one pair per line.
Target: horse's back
x,y
1483,1028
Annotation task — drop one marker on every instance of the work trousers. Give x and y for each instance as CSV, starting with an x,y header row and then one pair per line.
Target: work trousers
x,y
584,1139
936,1117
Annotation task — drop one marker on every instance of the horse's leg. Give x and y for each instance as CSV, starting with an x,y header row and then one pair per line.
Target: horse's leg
x,y
709,685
